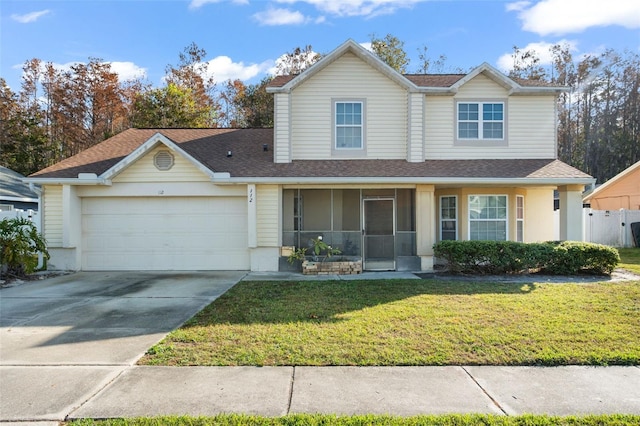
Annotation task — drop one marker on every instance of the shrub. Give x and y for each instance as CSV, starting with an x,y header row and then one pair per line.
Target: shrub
x,y
509,257
572,257
20,244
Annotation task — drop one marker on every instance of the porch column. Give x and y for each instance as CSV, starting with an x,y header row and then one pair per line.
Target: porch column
x,y
571,224
252,216
425,225
72,224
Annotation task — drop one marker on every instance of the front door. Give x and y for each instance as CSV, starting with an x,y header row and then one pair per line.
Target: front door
x,y
379,234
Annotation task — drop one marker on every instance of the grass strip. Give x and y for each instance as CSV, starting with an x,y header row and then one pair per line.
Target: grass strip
x,y
410,322
370,420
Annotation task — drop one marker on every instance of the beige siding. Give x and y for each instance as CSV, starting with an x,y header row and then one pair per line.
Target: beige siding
x,y
439,127
143,170
530,126
482,87
52,204
416,128
281,128
349,78
267,215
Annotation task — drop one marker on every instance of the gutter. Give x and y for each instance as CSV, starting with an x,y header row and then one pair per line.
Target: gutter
x,y
68,181
403,180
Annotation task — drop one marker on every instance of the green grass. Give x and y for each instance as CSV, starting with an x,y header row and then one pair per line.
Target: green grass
x,y
330,420
630,259
411,322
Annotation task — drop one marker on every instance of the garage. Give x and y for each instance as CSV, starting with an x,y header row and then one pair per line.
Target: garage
x,y
164,233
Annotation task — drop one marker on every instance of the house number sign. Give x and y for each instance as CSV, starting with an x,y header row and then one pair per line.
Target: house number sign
x,y
250,195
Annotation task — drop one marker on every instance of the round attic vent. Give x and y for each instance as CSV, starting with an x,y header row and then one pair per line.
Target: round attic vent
x,y
163,160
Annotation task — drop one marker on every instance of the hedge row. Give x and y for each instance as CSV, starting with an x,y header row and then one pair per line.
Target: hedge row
x,y
509,257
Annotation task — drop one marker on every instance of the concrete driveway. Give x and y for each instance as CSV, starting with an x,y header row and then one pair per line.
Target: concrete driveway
x,y
64,338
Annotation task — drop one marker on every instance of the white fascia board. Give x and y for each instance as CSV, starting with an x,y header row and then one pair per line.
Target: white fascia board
x,y
492,72
151,143
19,199
68,181
534,90
407,180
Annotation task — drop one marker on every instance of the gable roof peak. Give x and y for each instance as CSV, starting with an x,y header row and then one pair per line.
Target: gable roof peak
x,y
349,46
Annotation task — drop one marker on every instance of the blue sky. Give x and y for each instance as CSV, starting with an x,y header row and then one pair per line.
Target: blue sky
x,y
244,38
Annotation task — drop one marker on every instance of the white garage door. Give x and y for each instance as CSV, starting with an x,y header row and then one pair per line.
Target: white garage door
x,y
173,233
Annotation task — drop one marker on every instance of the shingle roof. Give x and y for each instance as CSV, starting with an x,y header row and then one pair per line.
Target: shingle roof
x,y
249,160
11,185
425,80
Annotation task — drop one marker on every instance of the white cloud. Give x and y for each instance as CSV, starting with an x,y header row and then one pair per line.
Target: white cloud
x,y
517,6
223,68
128,70
274,17
541,49
367,8
125,70
30,17
574,16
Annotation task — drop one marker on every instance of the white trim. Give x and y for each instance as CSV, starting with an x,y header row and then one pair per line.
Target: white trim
x,y
19,199
67,181
252,216
518,197
150,144
341,151
352,47
480,121
456,220
404,180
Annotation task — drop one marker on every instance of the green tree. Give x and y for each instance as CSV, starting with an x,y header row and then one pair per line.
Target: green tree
x,y
256,105
390,50
191,75
168,107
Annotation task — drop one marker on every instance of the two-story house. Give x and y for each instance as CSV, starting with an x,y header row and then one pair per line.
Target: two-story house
x,y
381,165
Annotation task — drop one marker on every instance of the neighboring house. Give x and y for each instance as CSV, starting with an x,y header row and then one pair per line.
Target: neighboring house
x,y
14,193
620,192
380,164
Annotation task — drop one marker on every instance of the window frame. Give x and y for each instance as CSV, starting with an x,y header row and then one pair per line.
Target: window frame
x,y
348,151
480,140
505,220
455,220
520,219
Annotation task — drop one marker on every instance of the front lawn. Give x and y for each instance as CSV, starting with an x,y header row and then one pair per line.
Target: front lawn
x,y
630,259
411,322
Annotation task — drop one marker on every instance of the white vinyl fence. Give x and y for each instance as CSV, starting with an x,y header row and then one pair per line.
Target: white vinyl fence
x,y
610,227
32,215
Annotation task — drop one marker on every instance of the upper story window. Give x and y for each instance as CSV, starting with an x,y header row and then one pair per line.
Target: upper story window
x,y
480,120
349,124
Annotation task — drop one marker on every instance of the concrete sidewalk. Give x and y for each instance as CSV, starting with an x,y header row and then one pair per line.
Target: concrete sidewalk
x,y
67,392
68,348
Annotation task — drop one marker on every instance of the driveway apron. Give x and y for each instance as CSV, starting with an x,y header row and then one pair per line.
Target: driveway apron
x,y
63,339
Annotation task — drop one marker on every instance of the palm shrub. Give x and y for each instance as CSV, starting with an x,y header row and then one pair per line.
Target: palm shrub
x,y
20,244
